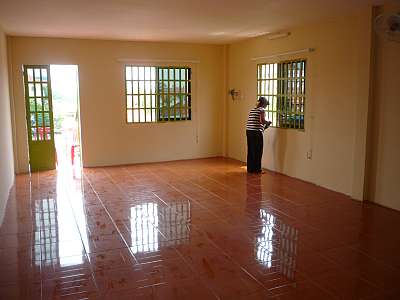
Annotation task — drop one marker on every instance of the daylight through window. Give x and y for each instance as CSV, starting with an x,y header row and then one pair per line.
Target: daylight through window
x,y
155,94
283,84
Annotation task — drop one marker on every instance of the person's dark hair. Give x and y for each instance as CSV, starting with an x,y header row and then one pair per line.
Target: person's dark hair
x,y
262,101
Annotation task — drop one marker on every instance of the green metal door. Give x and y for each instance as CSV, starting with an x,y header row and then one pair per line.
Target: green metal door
x,y
39,117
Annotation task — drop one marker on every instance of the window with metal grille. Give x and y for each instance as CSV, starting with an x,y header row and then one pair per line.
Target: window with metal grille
x,y
157,94
38,105
283,84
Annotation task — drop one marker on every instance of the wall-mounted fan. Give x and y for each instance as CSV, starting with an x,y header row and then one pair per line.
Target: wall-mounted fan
x,y
387,25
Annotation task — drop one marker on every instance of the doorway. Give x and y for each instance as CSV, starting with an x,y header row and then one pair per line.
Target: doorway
x,y
66,116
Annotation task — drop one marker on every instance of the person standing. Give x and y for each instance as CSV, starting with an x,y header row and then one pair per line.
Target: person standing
x,y
256,124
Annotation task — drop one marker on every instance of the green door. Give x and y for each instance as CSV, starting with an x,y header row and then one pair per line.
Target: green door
x,y
39,117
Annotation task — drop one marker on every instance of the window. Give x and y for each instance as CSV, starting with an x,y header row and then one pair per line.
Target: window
x,y
155,94
38,104
283,84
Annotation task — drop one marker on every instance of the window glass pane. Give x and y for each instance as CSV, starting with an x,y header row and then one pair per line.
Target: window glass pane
x,y
148,101
164,87
40,119
45,91
33,134
31,88
135,73
183,100
46,104
30,74
141,101
147,87
141,73
135,87
129,115
38,90
32,106
153,73
44,75
47,119
147,73
148,115
37,74
33,119
40,134
129,87
141,115
136,115
128,73
48,133
183,113
136,101
39,104
141,87
178,100
129,101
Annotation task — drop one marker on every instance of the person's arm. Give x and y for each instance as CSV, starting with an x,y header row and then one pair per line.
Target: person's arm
x,y
262,117
263,120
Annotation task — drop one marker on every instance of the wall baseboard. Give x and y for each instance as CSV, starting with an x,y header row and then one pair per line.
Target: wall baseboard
x,y
3,204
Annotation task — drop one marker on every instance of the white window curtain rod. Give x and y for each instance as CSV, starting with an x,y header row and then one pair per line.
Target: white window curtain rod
x,y
133,60
284,53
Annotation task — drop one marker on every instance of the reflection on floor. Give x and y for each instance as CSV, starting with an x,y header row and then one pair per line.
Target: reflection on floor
x,y
200,229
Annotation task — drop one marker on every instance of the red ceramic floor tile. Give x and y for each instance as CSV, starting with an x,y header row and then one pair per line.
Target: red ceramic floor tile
x,y
70,287
100,243
64,266
304,290
201,229
230,284
21,291
345,286
111,259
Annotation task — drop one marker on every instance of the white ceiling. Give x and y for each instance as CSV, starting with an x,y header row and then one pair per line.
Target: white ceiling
x,y
206,21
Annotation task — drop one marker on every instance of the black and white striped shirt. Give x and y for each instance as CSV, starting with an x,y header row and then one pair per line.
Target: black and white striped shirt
x,y
253,122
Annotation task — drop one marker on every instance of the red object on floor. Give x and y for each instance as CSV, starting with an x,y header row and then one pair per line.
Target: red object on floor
x,y
72,154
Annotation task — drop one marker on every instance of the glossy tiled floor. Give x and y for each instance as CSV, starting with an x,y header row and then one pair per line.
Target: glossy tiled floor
x,y
200,229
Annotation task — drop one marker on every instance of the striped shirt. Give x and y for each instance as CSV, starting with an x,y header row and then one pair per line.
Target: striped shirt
x,y
253,122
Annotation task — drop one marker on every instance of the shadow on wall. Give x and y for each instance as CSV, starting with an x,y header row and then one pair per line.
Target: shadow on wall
x,y
277,138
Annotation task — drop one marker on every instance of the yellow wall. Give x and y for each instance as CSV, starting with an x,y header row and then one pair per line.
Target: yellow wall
x,y
6,142
336,105
338,97
106,138
385,140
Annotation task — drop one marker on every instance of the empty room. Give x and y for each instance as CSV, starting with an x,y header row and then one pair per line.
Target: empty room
x,y
199,149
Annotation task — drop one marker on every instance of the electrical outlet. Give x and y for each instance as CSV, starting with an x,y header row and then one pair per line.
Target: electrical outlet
x,y
309,154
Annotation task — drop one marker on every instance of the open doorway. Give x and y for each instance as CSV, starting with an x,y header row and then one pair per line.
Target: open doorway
x,y
65,93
